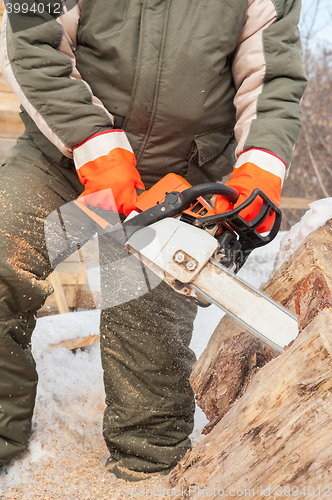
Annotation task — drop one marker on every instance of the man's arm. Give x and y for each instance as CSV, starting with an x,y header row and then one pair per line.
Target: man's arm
x,y
270,80
38,61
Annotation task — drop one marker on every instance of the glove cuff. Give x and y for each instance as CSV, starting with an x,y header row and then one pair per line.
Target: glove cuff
x,y
265,160
99,145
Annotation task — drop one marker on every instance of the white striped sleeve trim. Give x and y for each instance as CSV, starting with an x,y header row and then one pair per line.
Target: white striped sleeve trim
x,y
249,66
100,145
12,82
69,21
264,160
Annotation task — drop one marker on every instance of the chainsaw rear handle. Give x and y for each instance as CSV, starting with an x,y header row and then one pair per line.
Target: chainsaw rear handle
x,y
210,188
247,230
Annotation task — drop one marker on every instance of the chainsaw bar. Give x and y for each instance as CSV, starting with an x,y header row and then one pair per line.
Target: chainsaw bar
x,y
183,256
254,310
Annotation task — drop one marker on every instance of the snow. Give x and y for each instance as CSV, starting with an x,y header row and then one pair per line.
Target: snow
x,y
320,211
67,424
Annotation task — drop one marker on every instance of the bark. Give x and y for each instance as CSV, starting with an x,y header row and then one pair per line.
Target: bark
x,y
276,436
225,369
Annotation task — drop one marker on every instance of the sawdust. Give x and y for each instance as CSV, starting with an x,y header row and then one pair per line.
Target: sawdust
x,y
74,466
19,263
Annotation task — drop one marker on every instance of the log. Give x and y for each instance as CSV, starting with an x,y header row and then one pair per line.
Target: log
x,y
223,372
233,355
275,439
272,437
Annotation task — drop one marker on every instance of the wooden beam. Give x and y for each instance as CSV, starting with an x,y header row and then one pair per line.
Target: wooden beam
x,y
77,343
295,203
60,297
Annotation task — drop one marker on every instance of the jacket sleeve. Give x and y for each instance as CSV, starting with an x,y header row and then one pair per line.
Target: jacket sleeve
x,y
269,78
38,62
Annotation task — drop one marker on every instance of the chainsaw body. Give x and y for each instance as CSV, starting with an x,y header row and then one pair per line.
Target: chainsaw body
x,y
236,238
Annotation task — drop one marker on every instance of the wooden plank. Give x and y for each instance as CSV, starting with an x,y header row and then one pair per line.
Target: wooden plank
x,y
295,203
11,125
5,146
77,343
4,87
59,293
9,103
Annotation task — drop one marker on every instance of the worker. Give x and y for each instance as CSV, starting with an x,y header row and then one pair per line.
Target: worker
x,y
116,94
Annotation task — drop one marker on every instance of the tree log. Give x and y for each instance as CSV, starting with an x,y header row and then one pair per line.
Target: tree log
x,y
276,436
233,355
223,372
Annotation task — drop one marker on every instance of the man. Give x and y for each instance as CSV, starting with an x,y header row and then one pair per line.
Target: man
x,y
115,95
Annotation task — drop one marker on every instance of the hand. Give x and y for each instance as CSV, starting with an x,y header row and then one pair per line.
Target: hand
x,y
106,166
247,176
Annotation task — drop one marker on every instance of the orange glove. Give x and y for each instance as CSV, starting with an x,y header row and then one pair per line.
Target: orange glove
x,y
106,166
247,176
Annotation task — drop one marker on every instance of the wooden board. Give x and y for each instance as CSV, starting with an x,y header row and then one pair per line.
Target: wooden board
x,y
5,146
295,203
4,87
11,125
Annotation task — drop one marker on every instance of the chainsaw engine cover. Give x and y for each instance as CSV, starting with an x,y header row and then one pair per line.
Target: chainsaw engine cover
x,y
177,248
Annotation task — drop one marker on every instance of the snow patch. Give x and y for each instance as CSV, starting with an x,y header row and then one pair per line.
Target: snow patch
x,y
320,211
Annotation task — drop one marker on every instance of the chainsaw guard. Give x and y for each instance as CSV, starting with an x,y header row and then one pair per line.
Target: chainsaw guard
x,y
179,249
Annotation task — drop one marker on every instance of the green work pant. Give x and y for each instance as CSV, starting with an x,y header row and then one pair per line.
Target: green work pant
x,y
144,341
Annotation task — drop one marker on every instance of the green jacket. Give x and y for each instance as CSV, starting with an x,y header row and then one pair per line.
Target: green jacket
x,y
187,80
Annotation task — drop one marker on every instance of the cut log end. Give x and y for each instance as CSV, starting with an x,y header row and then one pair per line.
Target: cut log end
x,y
239,357
276,435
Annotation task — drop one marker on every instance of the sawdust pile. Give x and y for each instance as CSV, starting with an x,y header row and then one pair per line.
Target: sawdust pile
x,y
66,455
73,468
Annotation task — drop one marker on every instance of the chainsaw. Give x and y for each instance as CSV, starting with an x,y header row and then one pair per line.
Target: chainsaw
x,y
176,234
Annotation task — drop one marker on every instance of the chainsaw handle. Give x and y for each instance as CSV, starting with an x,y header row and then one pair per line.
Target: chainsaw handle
x,y
191,194
247,230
